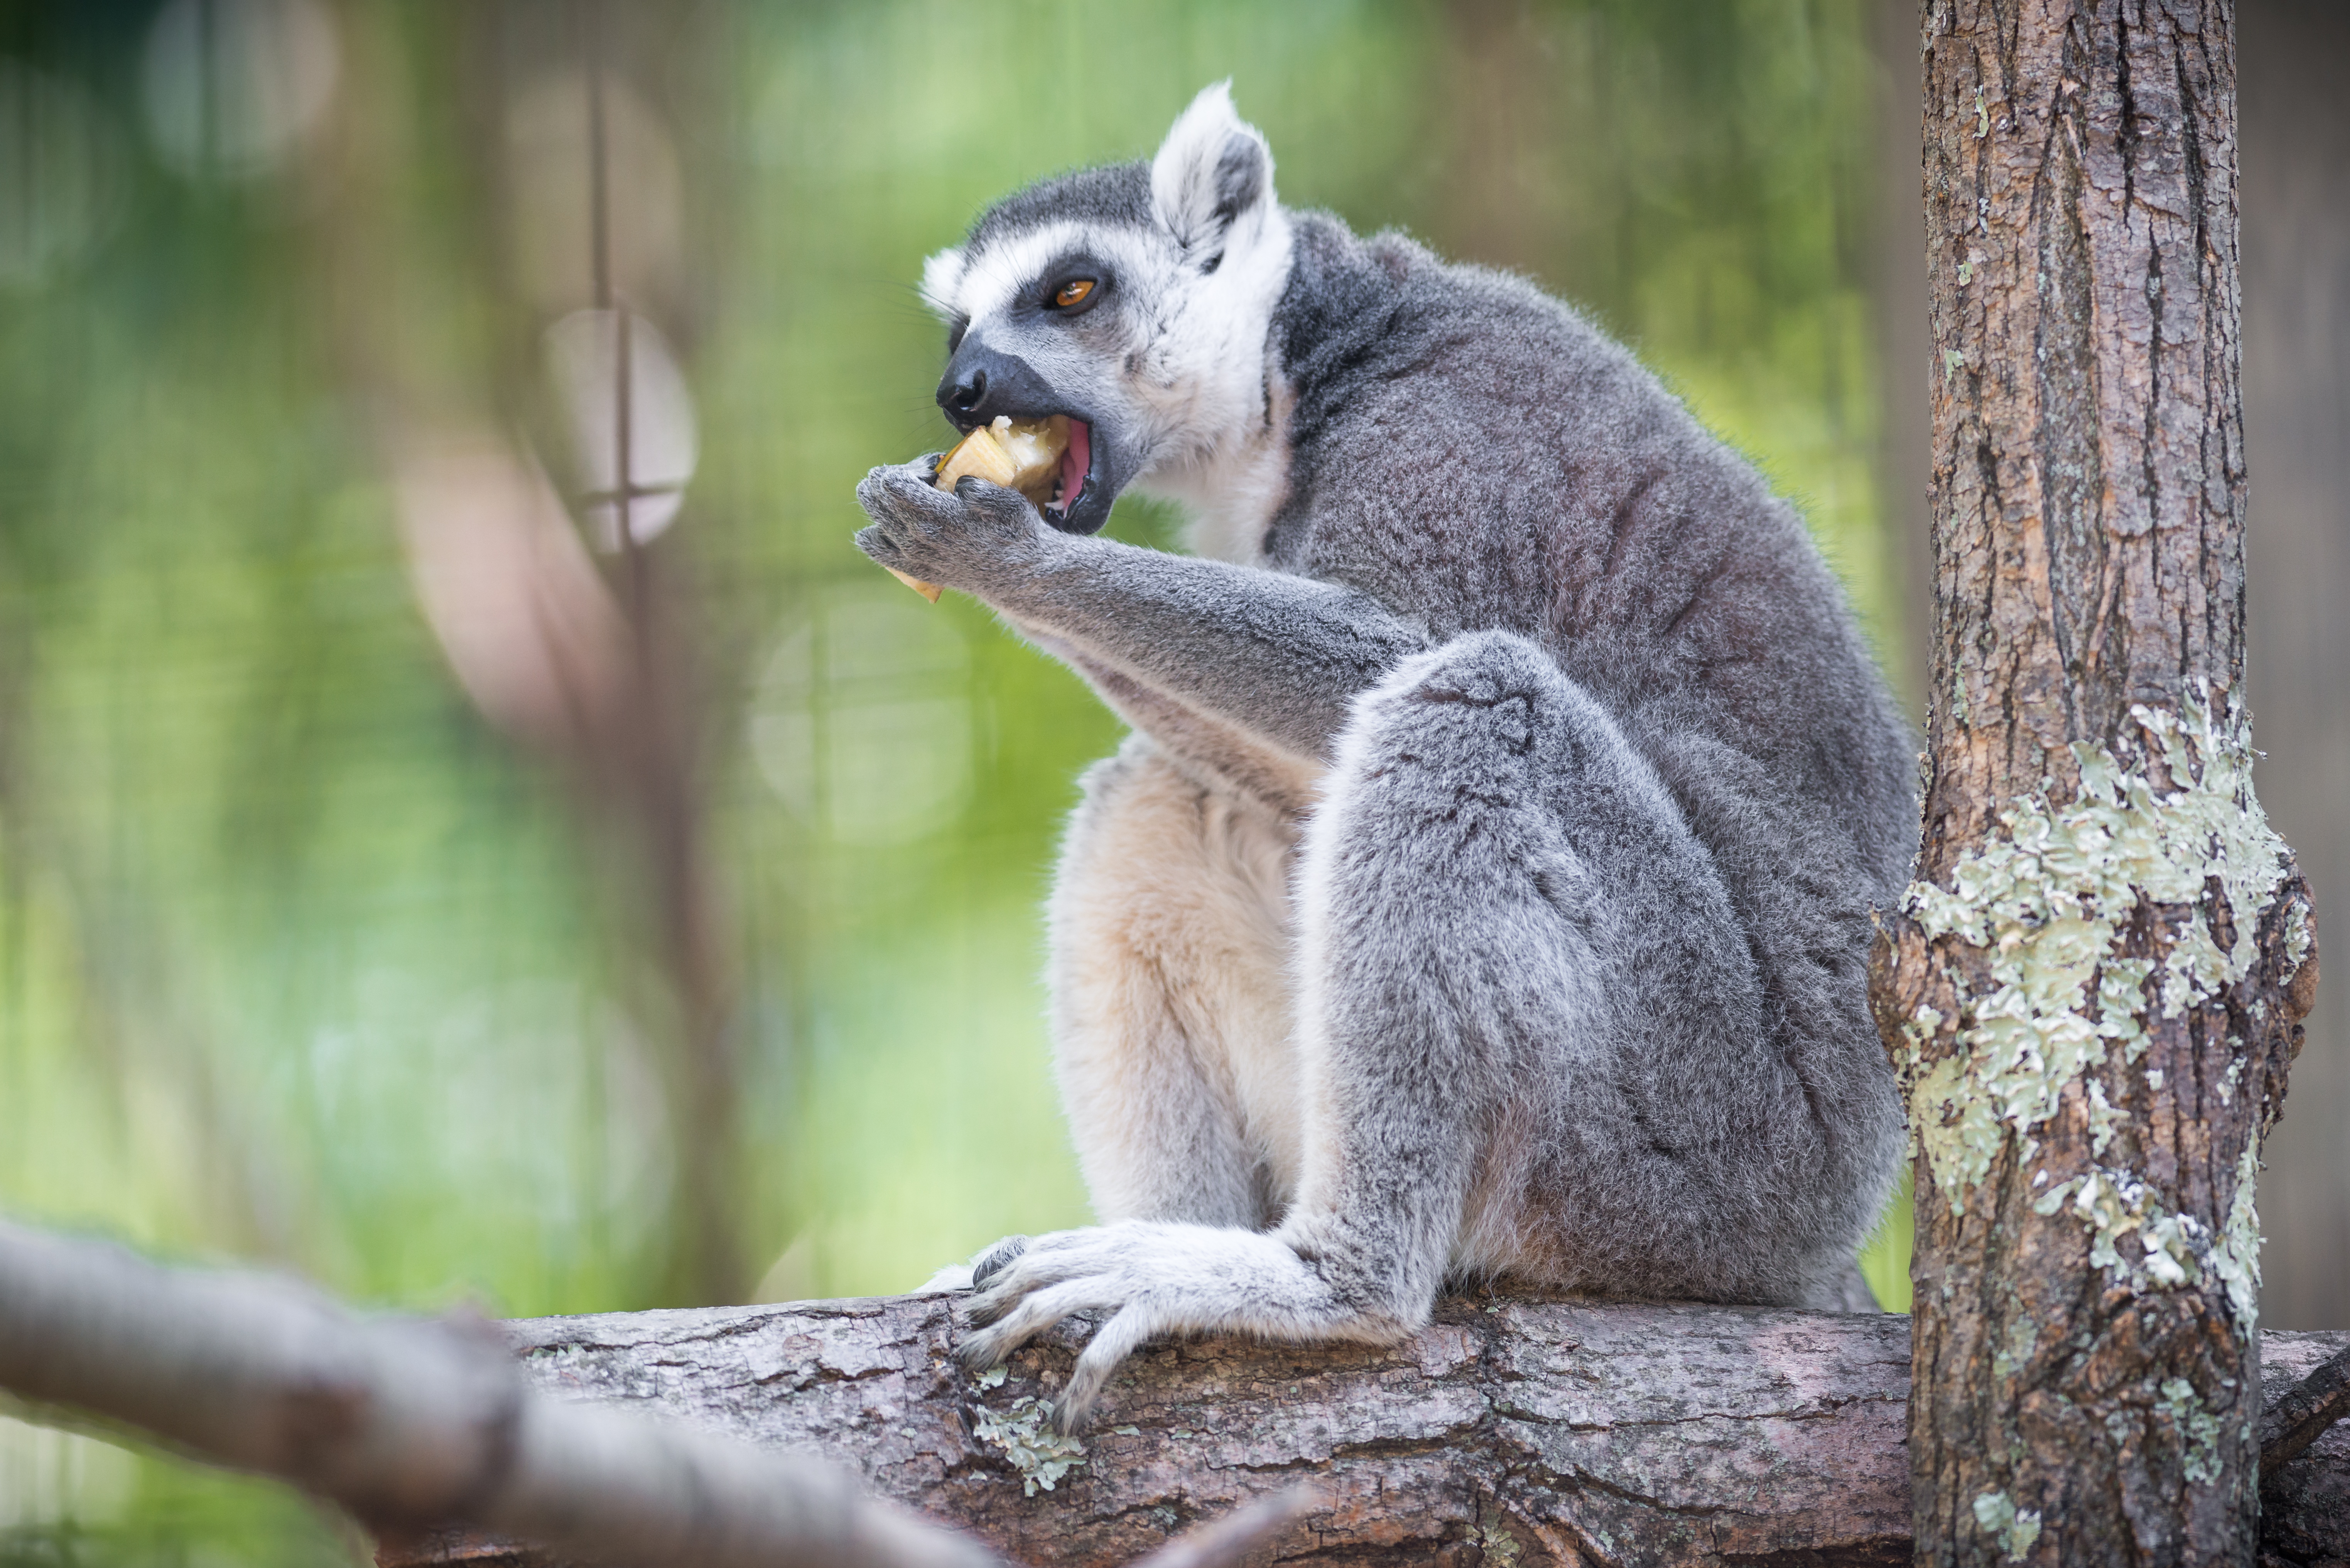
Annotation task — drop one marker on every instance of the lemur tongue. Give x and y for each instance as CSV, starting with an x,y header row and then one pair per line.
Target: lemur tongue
x,y
1075,463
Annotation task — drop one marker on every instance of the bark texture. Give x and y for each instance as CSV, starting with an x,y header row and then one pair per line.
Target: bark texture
x,y
2094,988
1506,1431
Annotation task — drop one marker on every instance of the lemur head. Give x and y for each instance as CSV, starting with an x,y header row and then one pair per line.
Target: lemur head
x,y
1136,299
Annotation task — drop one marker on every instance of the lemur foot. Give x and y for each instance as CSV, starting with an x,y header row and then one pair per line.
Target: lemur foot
x,y
1155,1279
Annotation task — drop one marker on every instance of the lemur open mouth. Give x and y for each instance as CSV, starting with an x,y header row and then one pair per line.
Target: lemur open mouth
x,y
1077,474
1048,458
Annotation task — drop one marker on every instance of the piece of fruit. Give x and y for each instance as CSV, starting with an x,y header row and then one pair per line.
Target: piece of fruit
x,y
930,591
1022,455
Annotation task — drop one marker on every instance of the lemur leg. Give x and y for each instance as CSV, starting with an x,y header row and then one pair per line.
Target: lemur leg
x,y
1489,858
1171,999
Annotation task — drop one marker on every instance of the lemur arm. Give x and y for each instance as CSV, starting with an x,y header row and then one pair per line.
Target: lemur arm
x,y
1210,751
1275,655
1280,657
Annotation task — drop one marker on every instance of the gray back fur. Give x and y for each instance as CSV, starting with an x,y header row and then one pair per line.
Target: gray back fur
x,y
1473,454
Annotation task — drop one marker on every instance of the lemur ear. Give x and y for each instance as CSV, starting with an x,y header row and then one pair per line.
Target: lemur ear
x,y
1214,171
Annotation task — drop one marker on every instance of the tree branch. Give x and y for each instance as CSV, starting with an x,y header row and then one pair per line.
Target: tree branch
x,y
1544,1431
2304,1412
1555,1431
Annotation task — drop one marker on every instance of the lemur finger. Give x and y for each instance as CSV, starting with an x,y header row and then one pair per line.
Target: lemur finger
x,y
1032,1317
1017,1278
901,490
998,504
1112,1343
992,1261
873,490
1040,1262
876,544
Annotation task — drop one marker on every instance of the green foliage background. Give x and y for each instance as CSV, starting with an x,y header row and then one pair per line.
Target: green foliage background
x,y
302,962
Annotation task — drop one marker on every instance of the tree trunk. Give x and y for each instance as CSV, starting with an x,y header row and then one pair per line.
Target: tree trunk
x,y
1507,1431
2093,988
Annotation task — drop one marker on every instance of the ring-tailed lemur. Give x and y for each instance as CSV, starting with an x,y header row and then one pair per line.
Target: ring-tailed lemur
x,y
1484,889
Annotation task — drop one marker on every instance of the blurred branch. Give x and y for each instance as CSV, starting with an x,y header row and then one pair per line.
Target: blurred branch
x,y
408,1421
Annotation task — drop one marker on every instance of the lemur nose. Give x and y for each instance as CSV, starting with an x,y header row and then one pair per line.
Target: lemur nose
x,y
982,382
965,395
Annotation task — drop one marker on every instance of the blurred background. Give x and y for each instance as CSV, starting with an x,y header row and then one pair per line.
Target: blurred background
x,y
472,827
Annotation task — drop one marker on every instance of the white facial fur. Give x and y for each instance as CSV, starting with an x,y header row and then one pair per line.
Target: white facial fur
x,y
1192,381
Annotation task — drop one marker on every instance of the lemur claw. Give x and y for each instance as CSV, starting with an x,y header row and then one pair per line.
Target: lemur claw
x,y
978,1353
995,1260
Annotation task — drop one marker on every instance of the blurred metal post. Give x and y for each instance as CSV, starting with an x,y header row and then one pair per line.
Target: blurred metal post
x,y
655,767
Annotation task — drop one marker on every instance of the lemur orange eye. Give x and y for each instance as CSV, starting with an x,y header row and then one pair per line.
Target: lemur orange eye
x,y
1074,293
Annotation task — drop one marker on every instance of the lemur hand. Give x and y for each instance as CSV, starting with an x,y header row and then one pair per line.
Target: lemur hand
x,y
965,540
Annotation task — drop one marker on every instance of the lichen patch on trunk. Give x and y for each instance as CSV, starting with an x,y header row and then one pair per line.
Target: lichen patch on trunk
x,y
2047,901
2014,1528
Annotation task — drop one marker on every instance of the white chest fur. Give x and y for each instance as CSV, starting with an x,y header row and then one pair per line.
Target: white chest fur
x,y
1233,494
